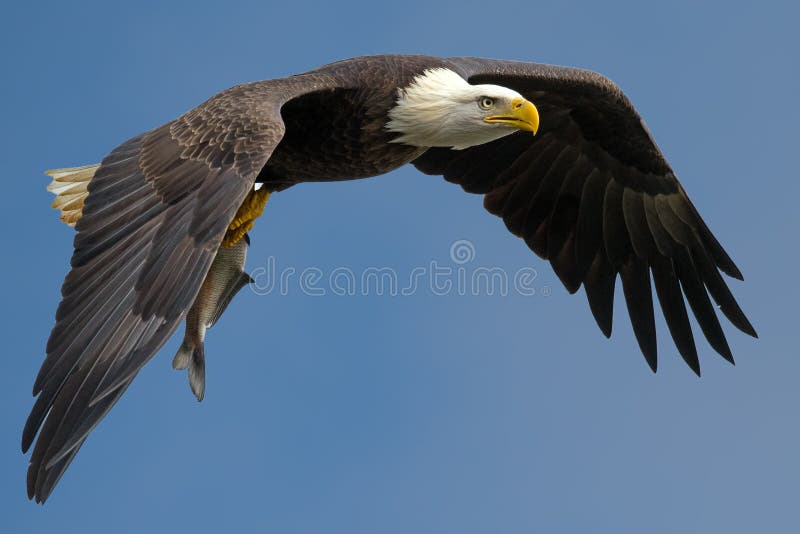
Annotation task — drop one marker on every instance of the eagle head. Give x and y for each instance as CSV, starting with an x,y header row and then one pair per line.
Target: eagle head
x,y
440,109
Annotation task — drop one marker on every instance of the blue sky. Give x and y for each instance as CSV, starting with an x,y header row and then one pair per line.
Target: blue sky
x,y
424,412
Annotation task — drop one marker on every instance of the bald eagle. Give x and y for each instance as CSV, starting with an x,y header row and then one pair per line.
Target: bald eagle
x,y
560,154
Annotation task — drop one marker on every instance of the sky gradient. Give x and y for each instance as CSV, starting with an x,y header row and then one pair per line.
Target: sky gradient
x,y
421,412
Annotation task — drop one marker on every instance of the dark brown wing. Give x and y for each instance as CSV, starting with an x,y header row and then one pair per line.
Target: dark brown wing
x,y
593,194
155,215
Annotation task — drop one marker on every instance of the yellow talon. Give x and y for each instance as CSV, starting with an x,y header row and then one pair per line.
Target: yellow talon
x,y
248,212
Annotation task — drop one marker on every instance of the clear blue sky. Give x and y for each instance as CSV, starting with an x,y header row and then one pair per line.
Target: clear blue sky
x,y
420,413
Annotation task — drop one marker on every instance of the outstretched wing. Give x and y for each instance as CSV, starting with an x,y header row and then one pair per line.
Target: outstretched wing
x,y
155,215
593,194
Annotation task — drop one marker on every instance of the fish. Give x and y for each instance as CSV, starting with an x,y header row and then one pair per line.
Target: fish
x,y
224,280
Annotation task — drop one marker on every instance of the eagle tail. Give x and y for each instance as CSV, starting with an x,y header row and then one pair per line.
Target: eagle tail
x,y
70,186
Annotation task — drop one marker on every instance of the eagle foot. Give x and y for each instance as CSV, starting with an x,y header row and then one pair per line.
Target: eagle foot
x,y
248,212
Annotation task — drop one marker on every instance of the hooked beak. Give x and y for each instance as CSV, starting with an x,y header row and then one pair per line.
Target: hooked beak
x,y
522,115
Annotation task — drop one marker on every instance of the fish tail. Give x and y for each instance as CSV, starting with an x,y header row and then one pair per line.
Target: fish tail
x,y
70,186
184,355
197,372
193,357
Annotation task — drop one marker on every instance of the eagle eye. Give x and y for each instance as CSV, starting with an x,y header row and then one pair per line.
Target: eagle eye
x,y
486,102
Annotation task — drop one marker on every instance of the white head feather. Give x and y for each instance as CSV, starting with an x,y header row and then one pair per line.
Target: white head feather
x,y
439,108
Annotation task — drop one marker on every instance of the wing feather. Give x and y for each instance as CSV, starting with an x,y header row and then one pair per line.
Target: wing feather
x,y
669,295
639,299
562,237
589,231
599,283
540,206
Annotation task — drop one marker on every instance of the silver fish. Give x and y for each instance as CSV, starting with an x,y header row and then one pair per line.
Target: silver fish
x,y
224,280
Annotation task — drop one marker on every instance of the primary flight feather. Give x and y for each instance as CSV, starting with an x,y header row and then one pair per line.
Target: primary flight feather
x,y
559,153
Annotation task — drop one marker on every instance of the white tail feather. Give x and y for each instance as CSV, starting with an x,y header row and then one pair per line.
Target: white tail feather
x,y
70,188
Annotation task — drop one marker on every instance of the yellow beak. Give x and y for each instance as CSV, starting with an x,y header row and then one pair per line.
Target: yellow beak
x,y
522,115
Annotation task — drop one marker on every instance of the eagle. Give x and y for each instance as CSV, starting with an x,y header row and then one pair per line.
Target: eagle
x,y
559,153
